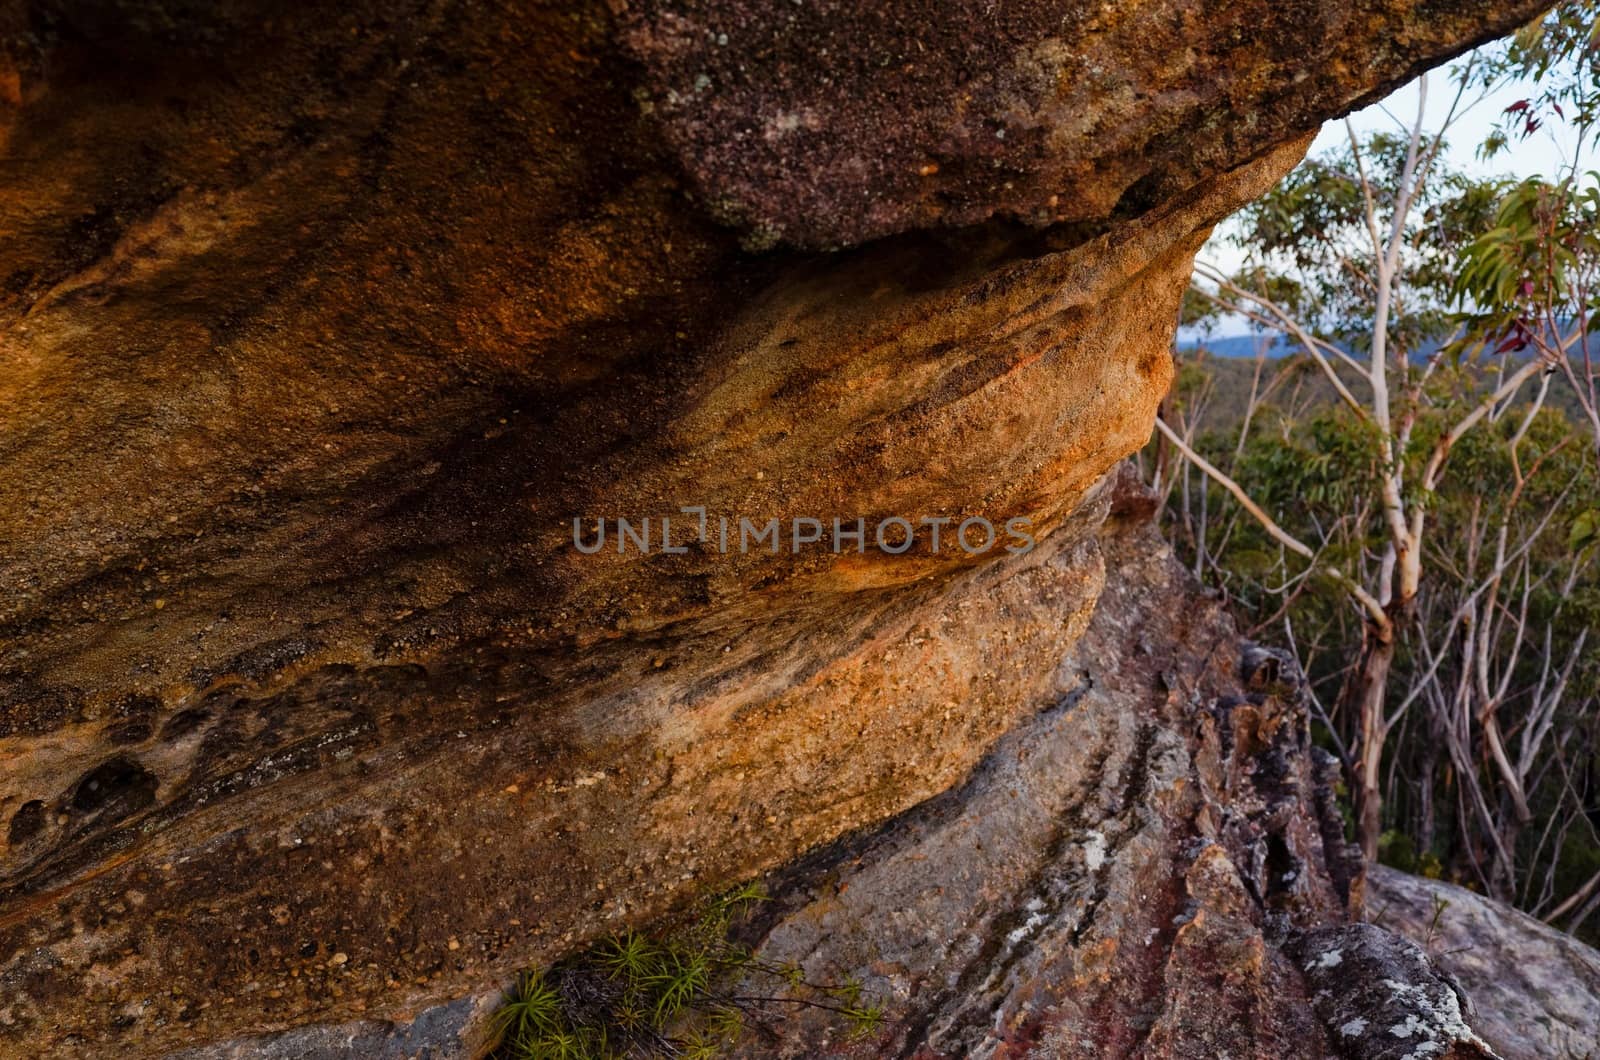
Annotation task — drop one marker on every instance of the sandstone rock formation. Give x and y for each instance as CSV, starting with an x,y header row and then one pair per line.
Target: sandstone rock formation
x,y
319,325
1118,877
1152,864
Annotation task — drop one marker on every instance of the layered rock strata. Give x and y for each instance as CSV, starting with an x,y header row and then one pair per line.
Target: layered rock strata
x,y
319,326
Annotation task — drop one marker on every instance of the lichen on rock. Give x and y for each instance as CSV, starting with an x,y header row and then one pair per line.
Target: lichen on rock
x,y
319,326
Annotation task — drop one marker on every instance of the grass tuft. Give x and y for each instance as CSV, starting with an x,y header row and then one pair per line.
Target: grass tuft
x,y
684,993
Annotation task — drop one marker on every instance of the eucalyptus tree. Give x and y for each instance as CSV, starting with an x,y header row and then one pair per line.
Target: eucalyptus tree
x,y
1531,279
1353,260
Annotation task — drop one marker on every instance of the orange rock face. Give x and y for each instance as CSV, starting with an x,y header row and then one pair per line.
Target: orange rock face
x,y
320,327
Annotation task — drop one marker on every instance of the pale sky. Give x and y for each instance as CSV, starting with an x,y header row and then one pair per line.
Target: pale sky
x,y
1540,154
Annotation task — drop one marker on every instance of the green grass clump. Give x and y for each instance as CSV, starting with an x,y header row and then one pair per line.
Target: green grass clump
x,y
685,993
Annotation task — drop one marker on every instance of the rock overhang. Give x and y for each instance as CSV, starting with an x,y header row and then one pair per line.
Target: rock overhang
x,y
320,328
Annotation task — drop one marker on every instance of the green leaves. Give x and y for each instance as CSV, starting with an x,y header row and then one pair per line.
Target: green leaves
x,y
1310,249
679,979
1561,52
1585,530
629,955
1533,271
864,1020
739,900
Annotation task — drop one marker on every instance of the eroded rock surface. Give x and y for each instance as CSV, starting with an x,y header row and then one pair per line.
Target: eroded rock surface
x,y
1531,991
1127,873
319,326
1150,865
831,122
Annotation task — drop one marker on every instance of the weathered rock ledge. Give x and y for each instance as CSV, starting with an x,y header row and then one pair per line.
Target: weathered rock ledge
x,y
319,325
1152,864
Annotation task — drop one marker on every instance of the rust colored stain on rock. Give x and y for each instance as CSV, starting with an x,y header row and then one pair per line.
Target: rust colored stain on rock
x,y
319,326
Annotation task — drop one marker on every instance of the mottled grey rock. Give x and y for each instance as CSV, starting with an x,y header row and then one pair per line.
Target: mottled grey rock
x,y
1382,999
450,1031
1534,992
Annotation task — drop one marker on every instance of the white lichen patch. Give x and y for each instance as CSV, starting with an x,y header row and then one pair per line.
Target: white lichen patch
x,y
1331,959
1412,1026
1025,930
1094,851
1354,1029
1440,1020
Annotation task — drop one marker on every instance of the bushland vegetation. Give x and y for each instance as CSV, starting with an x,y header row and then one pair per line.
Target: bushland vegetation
x,y
1410,501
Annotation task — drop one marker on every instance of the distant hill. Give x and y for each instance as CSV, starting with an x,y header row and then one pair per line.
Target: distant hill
x,y
1249,346
1237,346
1298,385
